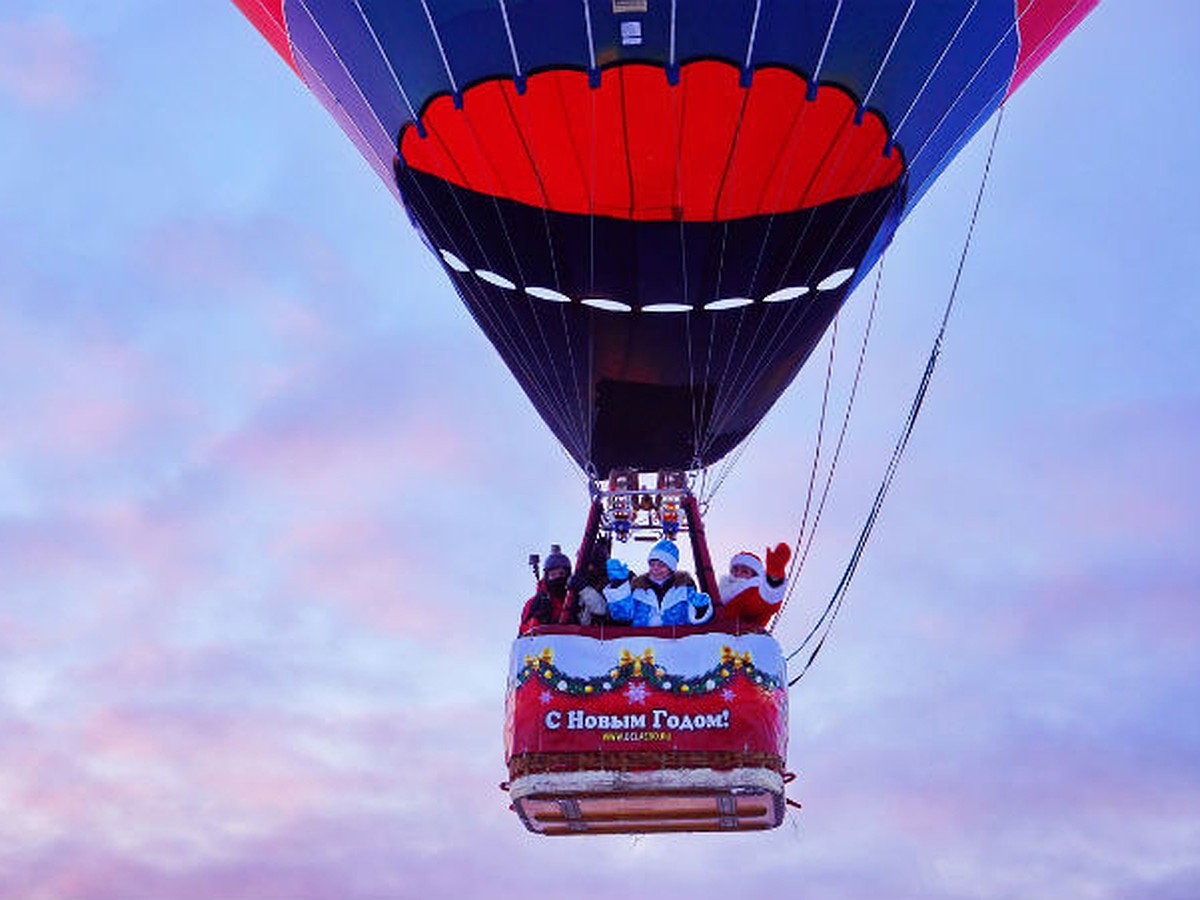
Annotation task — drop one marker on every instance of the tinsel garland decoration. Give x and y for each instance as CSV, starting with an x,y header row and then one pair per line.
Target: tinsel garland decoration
x,y
630,667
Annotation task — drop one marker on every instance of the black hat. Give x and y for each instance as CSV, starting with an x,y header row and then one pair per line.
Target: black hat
x,y
557,559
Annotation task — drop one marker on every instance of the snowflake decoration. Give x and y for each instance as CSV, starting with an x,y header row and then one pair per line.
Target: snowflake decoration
x,y
728,694
636,693
546,697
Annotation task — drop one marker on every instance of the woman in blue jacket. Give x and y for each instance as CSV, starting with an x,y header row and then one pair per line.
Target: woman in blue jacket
x,y
663,596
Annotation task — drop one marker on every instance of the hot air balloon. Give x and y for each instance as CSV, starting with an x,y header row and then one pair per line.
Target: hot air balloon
x,y
654,209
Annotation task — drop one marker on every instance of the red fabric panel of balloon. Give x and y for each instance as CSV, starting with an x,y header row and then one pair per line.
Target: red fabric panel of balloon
x,y
267,17
637,147
1043,24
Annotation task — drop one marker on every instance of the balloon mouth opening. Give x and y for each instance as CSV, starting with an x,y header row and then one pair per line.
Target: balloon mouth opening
x,y
709,145
629,279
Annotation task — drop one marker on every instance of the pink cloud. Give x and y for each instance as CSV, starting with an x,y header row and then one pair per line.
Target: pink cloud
x,y
44,64
290,282
80,393
331,440
251,804
371,569
180,796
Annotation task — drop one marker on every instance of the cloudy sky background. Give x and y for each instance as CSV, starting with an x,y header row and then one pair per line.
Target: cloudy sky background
x,y
266,497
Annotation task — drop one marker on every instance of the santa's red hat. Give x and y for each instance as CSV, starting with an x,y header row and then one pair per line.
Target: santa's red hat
x,y
750,561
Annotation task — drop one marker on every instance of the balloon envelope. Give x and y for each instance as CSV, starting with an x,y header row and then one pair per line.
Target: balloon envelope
x,y
655,208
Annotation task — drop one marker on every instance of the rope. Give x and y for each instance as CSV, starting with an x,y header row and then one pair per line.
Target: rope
x,y
800,558
816,463
528,137
575,417
825,622
743,380
543,375
478,310
791,321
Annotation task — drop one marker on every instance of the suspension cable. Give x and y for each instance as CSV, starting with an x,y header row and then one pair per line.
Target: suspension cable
x,y
800,557
825,622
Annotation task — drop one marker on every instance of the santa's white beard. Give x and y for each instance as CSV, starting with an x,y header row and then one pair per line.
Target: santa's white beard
x,y
729,587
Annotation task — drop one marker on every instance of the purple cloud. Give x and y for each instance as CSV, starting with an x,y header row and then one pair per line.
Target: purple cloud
x,y
44,63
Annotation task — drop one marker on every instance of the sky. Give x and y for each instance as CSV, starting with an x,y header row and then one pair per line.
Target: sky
x,y
266,498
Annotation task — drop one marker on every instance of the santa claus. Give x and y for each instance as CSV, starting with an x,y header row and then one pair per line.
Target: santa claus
x,y
751,593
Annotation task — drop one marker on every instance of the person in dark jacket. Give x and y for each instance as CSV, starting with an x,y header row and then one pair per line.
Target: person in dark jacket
x,y
548,606
587,584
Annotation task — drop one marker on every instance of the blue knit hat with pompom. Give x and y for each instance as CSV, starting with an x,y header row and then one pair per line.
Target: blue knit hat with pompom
x,y
666,552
